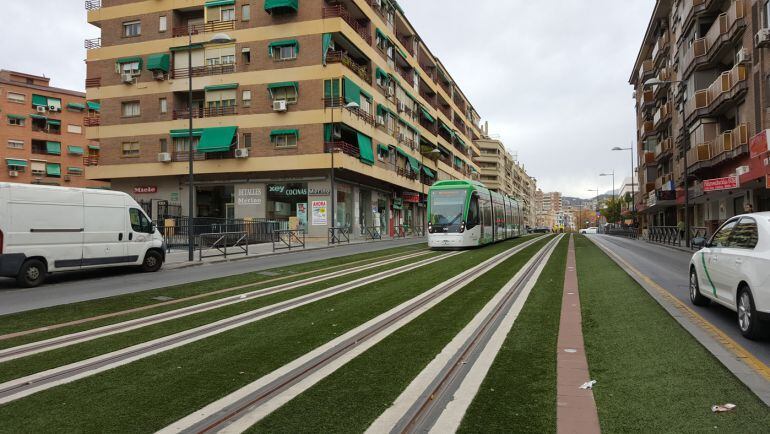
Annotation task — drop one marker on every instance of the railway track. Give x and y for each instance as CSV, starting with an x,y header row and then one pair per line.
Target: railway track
x,y
439,396
21,387
246,406
100,332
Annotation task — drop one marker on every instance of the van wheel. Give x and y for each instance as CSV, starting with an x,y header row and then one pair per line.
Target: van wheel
x,y
152,262
32,273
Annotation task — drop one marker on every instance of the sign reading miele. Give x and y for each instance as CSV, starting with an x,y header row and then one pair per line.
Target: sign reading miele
x,y
717,184
145,189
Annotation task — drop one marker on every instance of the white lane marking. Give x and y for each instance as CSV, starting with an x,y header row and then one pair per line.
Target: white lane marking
x,y
161,342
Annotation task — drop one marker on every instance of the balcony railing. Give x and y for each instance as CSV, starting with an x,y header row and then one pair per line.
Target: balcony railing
x,y
719,34
90,44
205,112
648,97
200,28
94,82
339,11
430,98
406,173
661,45
341,57
648,127
361,114
344,147
92,121
662,114
725,87
407,43
92,5
646,69
91,160
204,71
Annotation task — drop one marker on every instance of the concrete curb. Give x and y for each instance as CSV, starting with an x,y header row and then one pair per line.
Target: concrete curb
x,y
757,383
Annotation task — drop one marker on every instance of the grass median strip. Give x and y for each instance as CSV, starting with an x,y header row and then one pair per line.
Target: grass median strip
x,y
151,393
351,398
653,376
72,312
519,392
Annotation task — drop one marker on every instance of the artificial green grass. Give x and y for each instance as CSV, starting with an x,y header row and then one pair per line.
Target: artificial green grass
x,y
519,392
51,359
652,375
151,393
65,313
351,398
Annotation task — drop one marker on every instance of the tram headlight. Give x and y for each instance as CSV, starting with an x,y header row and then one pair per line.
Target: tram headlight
x,y
430,228
462,227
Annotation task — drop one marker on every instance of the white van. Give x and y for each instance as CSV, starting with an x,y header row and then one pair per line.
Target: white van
x,y
48,229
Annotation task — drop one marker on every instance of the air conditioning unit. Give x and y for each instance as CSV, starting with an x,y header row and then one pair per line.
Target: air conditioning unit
x,y
164,157
13,173
67,178
762,38
52,108
127,78
279,105
159,75
241,153
41,109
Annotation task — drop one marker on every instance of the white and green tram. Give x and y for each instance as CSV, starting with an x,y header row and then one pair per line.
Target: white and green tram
x,y
467,214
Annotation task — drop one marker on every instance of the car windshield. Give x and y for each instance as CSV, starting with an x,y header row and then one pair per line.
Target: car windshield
x,y
447,207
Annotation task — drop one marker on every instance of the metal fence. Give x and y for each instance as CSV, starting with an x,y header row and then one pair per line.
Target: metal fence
x,y
338,236
288,239
222,244
632,233
673,236
371,232
176,230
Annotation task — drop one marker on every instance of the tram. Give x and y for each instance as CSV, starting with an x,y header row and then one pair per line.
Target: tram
x,y
467,214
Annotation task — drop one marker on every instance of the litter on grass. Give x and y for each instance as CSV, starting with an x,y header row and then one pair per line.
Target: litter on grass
x,y
588,385
722,408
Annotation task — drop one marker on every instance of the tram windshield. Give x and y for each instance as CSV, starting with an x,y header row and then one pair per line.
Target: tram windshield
x,y
447,209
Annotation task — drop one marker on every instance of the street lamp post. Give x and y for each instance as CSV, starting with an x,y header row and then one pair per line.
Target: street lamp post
x,y
597,201
219,38
434,151
633,193
351,105
613,186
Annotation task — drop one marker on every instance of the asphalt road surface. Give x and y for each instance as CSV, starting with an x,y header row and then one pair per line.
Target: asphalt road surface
x,y
72,287
669,268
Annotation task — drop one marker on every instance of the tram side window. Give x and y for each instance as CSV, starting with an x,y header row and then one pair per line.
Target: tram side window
x,y
486,212
473,213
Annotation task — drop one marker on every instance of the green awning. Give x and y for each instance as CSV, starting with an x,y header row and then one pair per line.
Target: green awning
x,y
76,170
381,73
15,162
394,79
408,94
16,117
327,43
279,5
75,150
383,148
382,109
133,59
39,117
158,62
294,84
401,52
458,161
365,148
351,91
457,138
215,3
444,127
53,148
414,163
187,47
196,132
39,100
366,95
53,169
76,106
95,106
53,122
294,133
408,125
221,87
284,43
427,115
379,33
94,147
217,139
429,173
401,152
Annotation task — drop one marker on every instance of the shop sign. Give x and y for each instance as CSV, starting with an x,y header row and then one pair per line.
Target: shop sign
x,y
758,144
411,197
145,189
302,214
319,212
652,199
281,189
249,196
717,184
666,195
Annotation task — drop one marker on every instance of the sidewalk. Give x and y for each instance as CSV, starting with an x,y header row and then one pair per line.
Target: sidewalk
x,y
179,258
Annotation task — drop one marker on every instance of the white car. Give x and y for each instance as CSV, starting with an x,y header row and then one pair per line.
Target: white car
x,y
590,231
733,269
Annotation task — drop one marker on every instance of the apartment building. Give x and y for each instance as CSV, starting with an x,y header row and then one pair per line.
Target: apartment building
x,y
706,112
42,132
285,94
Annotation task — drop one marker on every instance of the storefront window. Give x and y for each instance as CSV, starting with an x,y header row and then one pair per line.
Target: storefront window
x,y
288,202
215,201
344,207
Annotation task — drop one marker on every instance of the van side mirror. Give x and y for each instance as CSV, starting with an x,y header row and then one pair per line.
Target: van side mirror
x,y
699,242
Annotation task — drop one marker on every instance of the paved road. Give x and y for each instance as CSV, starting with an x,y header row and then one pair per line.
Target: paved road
x,y
78,286
668,268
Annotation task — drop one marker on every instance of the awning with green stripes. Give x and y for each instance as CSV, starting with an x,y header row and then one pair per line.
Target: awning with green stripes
x,y
134,59
16,116
53,169
158,62
282,84
76,106
459,140
444,127
221,87
94,147
281,5
366,95
429,173
16,163
75,170
218,139
38,117
426,114
408,125
401,52
196,132
383,148
365,149
379,33
75,150
53,122
39,100
401,152
326,42
381,74
382,109
294,133
187,47
414,164
53,148
95,106
351,91
285,43
215,3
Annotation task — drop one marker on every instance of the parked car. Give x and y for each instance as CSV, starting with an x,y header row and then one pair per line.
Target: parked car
x,y
591,230
731,269
46,229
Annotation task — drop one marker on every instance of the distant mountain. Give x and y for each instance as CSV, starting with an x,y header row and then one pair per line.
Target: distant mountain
x,y
575,201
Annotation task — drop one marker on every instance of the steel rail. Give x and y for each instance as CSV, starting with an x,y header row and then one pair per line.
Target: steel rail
x,y
429,405
112,329
230,413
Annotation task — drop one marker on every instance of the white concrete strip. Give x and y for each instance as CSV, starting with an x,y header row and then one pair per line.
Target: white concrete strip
x,y
257,413
163,344
453,414
121,327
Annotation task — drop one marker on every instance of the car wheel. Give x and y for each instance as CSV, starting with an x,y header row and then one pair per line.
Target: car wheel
x,y
152,262
32,273
748,322
696,297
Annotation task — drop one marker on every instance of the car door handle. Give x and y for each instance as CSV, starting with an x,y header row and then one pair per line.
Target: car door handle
x,y
130,236
120,236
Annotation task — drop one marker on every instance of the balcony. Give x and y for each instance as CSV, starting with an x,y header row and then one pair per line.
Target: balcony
x,y
661,181
92,5
664,148
91,160
92,121
201,28
356,111
698,154
661,47
93,82
714,44
693,8
727,89
339,11
203,71
406,41
662,114
648,158
648,98
90,44
406,173
646,70
344,147
648,127
341,57
425,92
182,156
204,112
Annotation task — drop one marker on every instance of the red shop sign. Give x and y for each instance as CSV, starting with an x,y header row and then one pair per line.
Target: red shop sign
x,y
411,197
145,189
716,184
758,144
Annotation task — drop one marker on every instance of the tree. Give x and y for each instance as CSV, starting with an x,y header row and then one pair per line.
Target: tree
x,y
611,210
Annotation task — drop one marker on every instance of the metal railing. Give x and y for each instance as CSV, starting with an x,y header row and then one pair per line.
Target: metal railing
x,y
204,71
204,112
221,243
673,236
339,11
90,44
341,57
632,233
371,232
176,230
288,239
209,27
92,121
338,235
400,231
92,5
93,82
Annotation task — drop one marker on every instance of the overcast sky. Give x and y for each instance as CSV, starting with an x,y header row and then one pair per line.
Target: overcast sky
x,y
550,76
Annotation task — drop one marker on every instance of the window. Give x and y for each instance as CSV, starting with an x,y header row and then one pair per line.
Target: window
x,y
287,53
722,237
139,221
245,12
130,149
288,94
181,143
745,234
163,105
16,121
246,55
163,145
74,129
132,28
16,97
246,98
284,141
162,23
383,153
228,59
228,14
76,171
247,140
132,68
366,106
37,168
130,109
15,144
